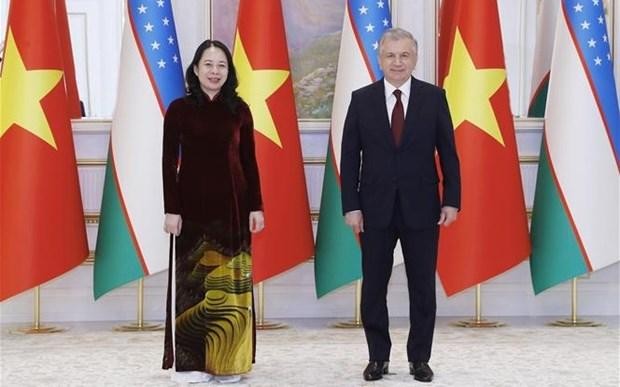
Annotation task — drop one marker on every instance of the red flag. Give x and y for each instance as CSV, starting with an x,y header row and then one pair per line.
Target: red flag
x,y
73,99
261,60
42,233
491,234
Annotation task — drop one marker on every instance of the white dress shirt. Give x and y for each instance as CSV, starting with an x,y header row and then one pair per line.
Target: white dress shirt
x,y
390,98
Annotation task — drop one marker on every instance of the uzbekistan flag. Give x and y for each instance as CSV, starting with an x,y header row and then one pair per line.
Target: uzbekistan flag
x,y
338,256
131,243
575,223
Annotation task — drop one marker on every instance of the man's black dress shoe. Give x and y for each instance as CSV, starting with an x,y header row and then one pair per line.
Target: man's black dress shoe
x,y
375,370
421,371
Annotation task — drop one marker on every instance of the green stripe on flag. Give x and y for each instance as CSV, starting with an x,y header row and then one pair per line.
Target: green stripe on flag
x,y
116,259
337,259
556,256
538,103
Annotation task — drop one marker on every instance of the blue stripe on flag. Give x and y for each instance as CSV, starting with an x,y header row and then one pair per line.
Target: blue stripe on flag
x,y
157,38
370,20
586,20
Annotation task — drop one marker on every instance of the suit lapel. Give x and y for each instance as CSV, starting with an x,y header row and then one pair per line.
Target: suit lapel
x,y
378,97
413,109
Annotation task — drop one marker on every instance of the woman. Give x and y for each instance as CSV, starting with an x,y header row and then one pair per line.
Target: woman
x,y
213,203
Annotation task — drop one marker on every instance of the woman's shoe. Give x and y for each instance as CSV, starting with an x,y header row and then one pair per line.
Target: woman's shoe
x,y
190,377
225,379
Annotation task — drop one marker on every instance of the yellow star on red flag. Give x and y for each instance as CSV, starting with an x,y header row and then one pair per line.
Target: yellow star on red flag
x,y
21,92
469,90
255,86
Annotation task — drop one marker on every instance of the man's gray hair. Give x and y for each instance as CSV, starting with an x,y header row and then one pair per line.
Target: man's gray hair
x,y
398,34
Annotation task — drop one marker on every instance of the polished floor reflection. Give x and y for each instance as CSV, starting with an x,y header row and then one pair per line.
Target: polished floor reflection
x,y
526,352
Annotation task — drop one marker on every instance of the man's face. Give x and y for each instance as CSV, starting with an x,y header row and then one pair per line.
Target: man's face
x,y
397,59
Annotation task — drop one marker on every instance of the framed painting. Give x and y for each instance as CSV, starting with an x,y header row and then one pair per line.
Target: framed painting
x,y
313,30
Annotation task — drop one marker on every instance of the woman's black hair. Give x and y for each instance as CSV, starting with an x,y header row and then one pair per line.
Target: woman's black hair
x,y
228,93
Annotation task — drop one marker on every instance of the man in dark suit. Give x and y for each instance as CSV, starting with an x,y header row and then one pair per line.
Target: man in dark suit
x,y
390,191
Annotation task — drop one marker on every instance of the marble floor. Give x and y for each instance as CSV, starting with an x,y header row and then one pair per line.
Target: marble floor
x,y
526,352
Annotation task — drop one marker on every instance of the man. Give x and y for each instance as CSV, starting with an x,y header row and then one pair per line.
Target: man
x,y
390,192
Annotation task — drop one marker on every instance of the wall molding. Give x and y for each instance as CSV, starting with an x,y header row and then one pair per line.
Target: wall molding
x,y
292,295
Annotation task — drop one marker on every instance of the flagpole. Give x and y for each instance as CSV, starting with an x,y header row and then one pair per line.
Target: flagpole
x,y
522,65
574,321
36,327
478,321
210,18
437,9
261,324
140,325
357,320
394,12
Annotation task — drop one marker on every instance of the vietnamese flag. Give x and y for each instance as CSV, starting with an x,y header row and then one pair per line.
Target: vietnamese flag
x,y
42,232
262,64
491,234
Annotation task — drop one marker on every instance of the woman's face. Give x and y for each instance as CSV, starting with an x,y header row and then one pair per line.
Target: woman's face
x,y
212,70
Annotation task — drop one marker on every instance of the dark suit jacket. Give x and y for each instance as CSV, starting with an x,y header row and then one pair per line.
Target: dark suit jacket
x,y
373,169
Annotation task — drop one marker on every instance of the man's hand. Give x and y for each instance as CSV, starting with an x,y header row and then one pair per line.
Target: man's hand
x,y
257,221
172,224
448,215
355,220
